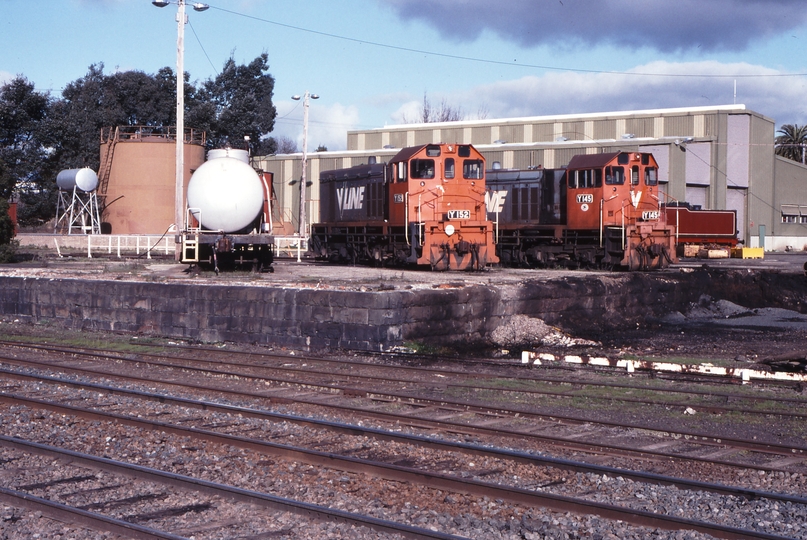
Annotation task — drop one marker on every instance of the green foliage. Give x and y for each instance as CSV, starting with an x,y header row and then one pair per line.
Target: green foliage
x,y
237,103
25,149
96,101
791,142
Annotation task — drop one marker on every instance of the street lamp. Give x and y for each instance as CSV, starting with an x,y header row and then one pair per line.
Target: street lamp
x,y
179,193
305,99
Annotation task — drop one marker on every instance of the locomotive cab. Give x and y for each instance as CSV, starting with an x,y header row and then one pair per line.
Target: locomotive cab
x,y
438,191
614,198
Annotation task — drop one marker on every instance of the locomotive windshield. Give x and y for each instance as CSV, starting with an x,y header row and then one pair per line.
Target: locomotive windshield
x,y
614,175
422,168
585,178
473,169
651,176
449,165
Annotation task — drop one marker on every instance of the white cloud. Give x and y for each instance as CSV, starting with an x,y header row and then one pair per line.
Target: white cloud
x,y
658,85
327,124
408,110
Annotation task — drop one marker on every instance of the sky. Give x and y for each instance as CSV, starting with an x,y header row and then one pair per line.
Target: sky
x,y
372,62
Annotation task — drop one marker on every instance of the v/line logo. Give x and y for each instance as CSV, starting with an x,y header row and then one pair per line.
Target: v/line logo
x,y
494,201
350,198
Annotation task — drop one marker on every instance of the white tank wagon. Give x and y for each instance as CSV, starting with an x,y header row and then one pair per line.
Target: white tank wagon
x,y
229,219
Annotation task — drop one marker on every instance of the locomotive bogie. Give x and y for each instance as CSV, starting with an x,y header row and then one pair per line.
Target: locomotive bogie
x,y
219,250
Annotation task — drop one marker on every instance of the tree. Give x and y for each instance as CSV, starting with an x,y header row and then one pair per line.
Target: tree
x,y
237,104
792,143
96,101
24,149
429,114
286,145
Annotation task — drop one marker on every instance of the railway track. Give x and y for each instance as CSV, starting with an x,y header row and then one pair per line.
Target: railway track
x,y
554,487
429,408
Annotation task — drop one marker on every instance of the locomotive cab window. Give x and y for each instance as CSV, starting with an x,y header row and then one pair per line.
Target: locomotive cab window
x,y
651,176
585,178
623,159
422,168
433,151
449,166
473,169
464,151
634,175
401,176
614,175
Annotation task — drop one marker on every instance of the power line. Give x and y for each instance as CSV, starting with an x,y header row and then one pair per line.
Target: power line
x,y
199,41
500,62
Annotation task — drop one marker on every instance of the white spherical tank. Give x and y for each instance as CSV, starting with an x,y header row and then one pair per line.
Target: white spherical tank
x,y
84,179
225,194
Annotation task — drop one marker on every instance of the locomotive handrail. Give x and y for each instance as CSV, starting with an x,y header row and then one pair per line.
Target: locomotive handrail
x,y
420,217
670,197
622,211
193,213
602,201
406,218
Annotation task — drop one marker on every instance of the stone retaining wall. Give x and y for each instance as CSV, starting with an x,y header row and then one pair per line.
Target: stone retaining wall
x,y
375,319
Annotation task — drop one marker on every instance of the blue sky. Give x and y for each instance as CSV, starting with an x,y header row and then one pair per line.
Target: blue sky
x,y
372,61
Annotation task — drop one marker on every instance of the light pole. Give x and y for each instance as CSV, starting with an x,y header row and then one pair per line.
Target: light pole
x,y
179,193
305,99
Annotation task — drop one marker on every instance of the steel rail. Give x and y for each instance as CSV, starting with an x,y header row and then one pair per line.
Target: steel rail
x,y
440,371
312,511
429,442
407,474
563,442
706,378
69,514
701,438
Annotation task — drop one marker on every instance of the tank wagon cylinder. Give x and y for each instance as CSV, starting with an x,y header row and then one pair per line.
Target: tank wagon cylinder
x,y
225,193
241,155
84,179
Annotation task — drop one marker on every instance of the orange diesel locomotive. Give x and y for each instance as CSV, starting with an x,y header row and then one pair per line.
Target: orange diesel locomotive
x,y
425,207
601,210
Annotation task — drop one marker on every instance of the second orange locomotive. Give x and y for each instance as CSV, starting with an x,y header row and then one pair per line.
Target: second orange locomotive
x,y
602,210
